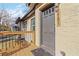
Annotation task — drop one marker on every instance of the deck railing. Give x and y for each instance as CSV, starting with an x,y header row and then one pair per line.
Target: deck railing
x,y
11,42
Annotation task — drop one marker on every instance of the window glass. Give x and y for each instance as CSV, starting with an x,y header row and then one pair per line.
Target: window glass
x,y
49,10
23,25
33,24
46,12
26,24
52,9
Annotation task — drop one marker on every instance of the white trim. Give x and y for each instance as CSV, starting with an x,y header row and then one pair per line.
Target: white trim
x,y
43,5
38,24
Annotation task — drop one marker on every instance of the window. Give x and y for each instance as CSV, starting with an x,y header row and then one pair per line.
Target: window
x,y
44,13
23,25
33,24
52,9
49,10
26,26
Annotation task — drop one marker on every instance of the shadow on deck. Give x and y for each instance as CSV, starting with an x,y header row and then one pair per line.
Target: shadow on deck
x,y
40,52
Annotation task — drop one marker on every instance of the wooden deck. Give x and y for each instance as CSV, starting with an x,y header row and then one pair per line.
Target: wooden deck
x,y
12,48
26,51
16,48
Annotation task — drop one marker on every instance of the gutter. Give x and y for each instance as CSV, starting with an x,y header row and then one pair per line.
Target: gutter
x,y
24,18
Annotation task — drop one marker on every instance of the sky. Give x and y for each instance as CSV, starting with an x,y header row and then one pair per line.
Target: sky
x,y
15,9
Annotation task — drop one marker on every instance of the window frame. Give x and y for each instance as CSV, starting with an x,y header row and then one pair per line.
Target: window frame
x,y
33,23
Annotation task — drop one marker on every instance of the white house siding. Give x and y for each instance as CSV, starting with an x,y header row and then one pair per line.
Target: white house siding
x,y
67,34
21,26
29,25
28,36
38,26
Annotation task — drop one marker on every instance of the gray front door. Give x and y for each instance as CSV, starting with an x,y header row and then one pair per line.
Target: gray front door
x,y
48,30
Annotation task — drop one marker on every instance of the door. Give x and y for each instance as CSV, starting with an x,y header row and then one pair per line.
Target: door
x,y
48,30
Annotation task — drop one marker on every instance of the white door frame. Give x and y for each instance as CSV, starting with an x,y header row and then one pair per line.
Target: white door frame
x,y
38,18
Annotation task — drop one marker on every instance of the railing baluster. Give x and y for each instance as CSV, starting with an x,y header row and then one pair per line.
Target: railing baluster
x,y
15,40
6,42
9,41
12,41
2,45
2,42
20,41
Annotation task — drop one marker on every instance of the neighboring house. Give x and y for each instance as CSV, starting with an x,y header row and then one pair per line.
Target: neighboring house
x,y
55,25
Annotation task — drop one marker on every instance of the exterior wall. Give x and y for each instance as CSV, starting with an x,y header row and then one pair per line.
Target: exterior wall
x,y
28,36
29,25
25,26
22,26
38,26
19,25
38,17
67,34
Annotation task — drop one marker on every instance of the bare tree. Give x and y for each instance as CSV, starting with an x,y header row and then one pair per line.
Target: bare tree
x,y
4,18
3,15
